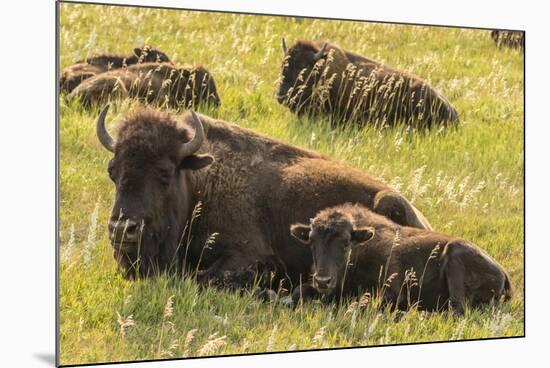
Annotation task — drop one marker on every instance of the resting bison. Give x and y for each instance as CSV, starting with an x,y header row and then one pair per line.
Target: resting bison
x,y
250,187
355,250
153,83
75,74
512,39
322,77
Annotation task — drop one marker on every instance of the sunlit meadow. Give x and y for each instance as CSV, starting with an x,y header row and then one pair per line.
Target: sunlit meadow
x,y
467,181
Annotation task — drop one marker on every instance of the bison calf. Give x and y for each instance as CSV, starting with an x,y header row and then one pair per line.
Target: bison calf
x,y
355,250
322,77
152,83
75,74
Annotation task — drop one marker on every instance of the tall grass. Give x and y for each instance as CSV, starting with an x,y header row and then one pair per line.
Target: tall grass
x,y
467,181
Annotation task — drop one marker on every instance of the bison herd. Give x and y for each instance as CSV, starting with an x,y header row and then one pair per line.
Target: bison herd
x,y
201,197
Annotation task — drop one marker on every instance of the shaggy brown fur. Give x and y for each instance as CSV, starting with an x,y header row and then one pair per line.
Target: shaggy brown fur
x,y
250,194
144,54
356,250
512,39
152,83
352,87
75,74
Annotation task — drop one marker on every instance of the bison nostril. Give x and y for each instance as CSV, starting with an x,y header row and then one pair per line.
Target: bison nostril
x,y
124,230
323,281
130,226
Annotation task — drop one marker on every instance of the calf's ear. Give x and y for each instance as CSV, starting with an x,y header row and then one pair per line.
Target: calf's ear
x,y
300,232
196,162
361,234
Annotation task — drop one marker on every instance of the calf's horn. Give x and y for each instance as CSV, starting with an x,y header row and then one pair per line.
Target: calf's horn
x,y
285,49
104,137
319,53
194,144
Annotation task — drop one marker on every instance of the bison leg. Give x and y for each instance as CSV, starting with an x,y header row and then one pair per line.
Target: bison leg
x,y
265,295
303,292
454,271
393,206
473,276
234,273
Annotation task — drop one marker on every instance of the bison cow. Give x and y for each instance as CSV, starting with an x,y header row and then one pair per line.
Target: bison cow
x,y
152,83
75,74
355,250
193,193
322,77
511,39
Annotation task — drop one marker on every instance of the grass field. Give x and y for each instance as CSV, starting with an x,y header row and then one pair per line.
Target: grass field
x,y
468,182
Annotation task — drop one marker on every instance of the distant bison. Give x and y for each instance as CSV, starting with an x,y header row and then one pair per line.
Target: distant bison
x,y
75,74
355,250
152,83
322,77
512,39
194,193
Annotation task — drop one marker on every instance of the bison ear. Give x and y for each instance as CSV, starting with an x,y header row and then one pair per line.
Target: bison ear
x,y
361,235
300,232
195,162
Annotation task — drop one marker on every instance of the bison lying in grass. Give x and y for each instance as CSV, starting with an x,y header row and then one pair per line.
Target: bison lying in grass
x,y
250,188
322,77
75,74
152,83
512,39
355,250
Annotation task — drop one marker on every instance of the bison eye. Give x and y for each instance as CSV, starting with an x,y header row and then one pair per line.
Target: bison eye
x,y
165,176
111,170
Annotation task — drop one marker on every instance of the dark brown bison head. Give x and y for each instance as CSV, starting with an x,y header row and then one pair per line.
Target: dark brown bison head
x,y
153,155
331,237
302,68
196,85
147,54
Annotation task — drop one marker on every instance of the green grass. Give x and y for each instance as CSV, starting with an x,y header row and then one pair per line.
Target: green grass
x,y
468,182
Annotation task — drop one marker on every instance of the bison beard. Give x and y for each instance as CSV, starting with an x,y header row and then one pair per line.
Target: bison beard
x,y
323,78
248,198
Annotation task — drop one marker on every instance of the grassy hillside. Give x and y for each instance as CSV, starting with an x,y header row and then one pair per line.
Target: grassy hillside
x,y
468,182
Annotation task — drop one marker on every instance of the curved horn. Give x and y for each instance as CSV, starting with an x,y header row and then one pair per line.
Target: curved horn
x,y
319,53
194,144
285,49
104,137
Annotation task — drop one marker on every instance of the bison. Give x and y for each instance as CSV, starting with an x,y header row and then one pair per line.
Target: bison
x,y
322,77
355,250
75,74
194,193
152,83
511,39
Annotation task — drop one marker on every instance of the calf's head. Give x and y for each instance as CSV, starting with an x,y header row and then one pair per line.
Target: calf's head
x,y
331,239
153,155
